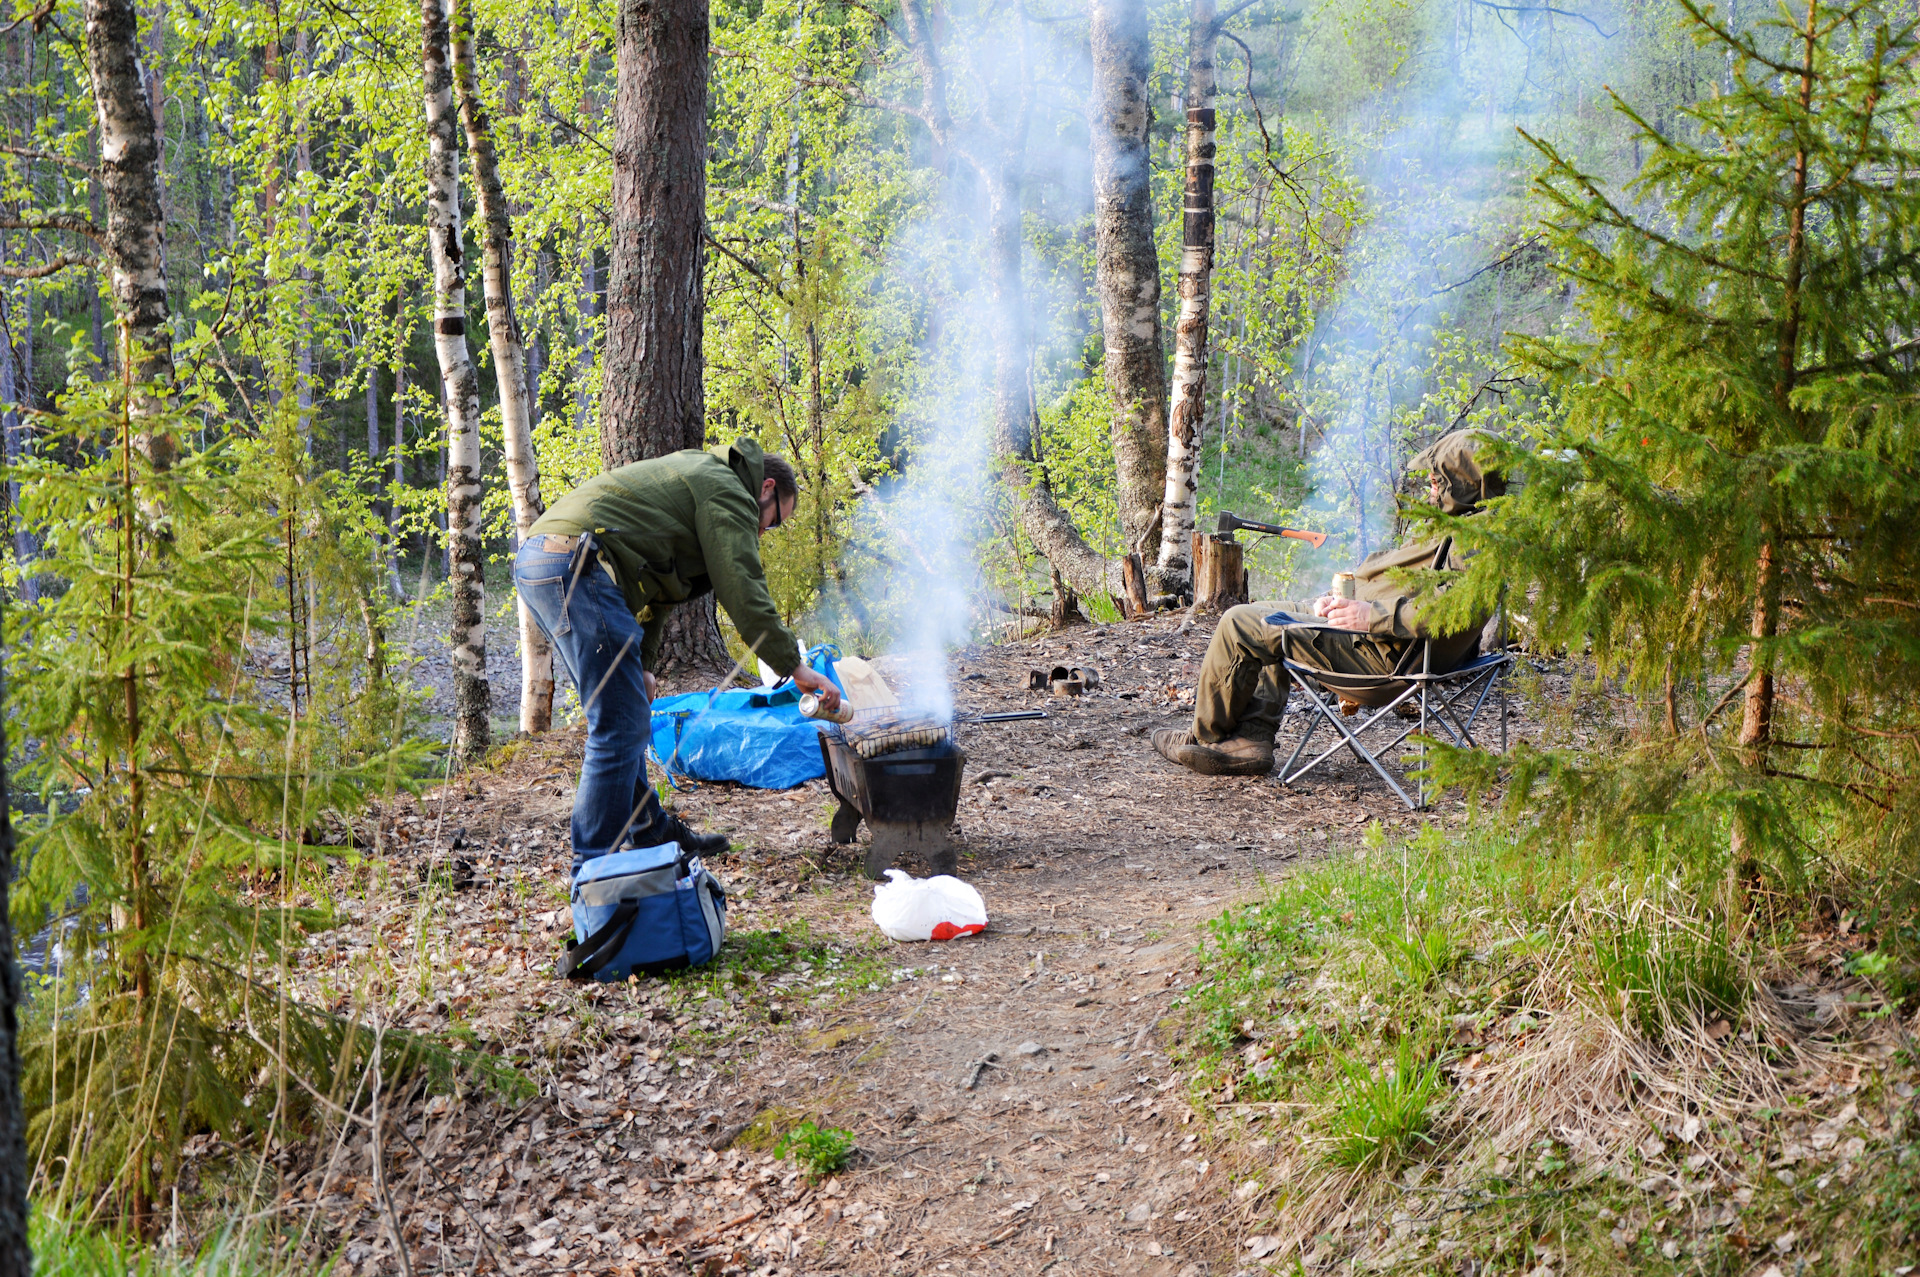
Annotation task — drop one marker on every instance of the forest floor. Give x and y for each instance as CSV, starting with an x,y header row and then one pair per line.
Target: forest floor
x,y
1011,1095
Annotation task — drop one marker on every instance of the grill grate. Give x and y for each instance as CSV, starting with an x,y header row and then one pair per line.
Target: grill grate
x,y
874,732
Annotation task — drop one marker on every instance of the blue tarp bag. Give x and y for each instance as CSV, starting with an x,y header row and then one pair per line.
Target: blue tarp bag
x,y
641,911
753,738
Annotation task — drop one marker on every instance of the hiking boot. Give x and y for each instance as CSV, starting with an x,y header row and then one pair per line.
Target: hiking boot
x,y
697,843
1235,756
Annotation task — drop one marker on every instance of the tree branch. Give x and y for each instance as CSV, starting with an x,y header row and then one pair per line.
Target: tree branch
x,y
27,153
744,264
53,267
756,201
1564,13
56,222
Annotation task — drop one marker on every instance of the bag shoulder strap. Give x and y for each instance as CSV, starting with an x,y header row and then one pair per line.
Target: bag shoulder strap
x,y
585,959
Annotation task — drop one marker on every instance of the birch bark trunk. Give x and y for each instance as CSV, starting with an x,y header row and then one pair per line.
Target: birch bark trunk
x,y
509,360
1196,282
1127,267
135,238
460,396
652,397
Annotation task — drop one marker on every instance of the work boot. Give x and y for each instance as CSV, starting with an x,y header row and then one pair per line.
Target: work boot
x,y
1235,756
697,843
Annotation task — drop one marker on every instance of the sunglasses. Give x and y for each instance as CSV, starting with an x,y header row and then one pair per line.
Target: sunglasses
x,y
778,517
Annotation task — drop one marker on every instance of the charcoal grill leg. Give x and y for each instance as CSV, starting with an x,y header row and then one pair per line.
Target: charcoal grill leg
x,y
846,822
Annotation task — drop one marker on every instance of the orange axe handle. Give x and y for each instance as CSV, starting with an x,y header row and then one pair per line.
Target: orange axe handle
x,y
1230,522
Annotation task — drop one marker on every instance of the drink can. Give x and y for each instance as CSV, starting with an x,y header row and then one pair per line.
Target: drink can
x,y
810,707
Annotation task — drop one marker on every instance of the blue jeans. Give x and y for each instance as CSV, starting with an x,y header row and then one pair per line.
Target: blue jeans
x,y
584,615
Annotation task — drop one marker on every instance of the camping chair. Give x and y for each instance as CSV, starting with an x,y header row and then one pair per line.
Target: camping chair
x,y
1449,699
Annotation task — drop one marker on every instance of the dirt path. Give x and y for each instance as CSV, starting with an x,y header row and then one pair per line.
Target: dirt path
x,y
1013,1104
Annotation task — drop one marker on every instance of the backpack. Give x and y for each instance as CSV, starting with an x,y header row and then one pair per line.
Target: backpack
x,y
641,911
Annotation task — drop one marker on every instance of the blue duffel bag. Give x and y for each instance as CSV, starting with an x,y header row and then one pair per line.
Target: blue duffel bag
x,y
644,910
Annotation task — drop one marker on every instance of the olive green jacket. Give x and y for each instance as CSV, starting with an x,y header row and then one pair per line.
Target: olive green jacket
x,y
1380,580
671,528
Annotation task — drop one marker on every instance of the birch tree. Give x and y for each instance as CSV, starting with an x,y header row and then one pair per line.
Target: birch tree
x,y
1196,284
460,396
135,234
1127,266
509,359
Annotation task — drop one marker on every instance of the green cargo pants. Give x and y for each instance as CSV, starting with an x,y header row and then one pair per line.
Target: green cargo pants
x,y
1243,689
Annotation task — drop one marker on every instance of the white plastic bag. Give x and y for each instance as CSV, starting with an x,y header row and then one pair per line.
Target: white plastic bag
x,y
937,908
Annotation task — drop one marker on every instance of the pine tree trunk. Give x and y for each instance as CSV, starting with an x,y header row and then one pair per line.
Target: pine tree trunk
x,y
652,398
135,238
1756,722
1196,283
1127,267
15,1259
461,395
509,360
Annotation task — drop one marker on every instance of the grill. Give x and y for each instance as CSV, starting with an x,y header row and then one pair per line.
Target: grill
x,y
899,771
874,732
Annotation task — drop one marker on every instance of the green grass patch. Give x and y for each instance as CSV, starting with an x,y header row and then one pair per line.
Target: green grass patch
x,y
62,1248
1382,1112
1439,1013
819,1150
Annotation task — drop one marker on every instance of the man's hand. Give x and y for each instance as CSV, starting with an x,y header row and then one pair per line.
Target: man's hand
x,y
1348,614
652,684
808,679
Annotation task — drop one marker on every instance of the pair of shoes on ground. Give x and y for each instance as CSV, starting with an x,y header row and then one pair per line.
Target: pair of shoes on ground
x,y
1235,756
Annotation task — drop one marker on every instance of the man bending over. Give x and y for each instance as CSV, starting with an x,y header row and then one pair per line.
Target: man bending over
x,y
601,570
1243,690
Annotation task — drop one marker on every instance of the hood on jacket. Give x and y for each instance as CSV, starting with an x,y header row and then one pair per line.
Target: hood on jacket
x,y
746,460
1464,485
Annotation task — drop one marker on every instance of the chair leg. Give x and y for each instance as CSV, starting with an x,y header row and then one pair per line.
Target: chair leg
x,y
1349,739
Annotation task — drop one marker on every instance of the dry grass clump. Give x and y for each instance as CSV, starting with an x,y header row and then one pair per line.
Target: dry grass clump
x,y
1455,1035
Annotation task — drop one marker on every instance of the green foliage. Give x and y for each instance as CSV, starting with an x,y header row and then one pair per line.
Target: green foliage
x,y
1422,954
1665,974
1079,450
64,1248
1382,1115
821,1151
1723,517
173,860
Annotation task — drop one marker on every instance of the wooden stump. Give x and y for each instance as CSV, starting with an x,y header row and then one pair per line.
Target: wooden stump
x,y
1219,572
1133,576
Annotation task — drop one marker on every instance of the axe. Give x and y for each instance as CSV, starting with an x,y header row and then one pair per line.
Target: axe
x,y
1230,522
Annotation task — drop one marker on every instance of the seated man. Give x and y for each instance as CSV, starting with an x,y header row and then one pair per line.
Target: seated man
x,y
1243,690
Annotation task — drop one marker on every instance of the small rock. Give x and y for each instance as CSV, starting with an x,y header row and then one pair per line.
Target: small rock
x,y
1030,1048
